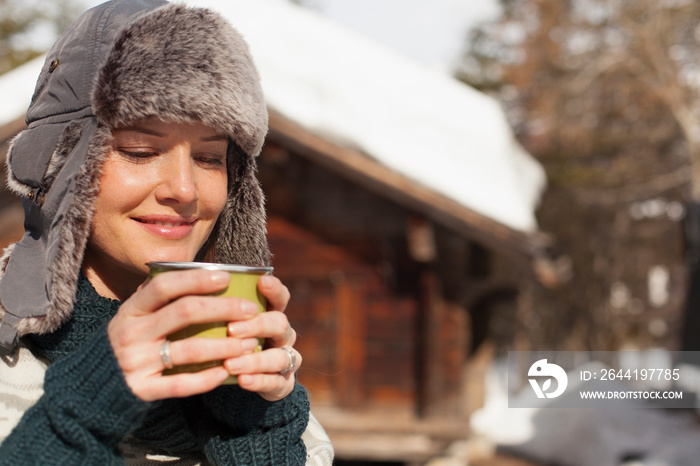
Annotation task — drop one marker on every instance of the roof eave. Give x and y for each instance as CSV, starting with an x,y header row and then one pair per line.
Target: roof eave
x,y
375,176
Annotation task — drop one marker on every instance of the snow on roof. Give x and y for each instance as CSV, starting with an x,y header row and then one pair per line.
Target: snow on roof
x,y
335,83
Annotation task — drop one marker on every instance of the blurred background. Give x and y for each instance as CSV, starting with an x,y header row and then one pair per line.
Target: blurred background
x,y
451,180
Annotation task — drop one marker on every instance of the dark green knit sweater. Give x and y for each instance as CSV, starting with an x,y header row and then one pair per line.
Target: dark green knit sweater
x,y
87,409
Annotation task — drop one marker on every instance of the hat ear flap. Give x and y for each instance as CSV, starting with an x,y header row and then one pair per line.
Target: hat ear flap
x,y
13,183
241,236
37,154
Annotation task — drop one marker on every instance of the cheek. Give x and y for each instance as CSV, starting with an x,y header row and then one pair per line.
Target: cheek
x,y
215,195
122,187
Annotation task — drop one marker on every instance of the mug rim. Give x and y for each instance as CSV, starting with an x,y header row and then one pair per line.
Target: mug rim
x,y
185,265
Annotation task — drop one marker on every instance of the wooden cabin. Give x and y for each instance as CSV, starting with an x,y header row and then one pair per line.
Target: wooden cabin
x,y
384,276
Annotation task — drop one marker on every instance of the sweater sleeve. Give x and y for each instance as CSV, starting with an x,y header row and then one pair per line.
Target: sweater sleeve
x,y
231,426
87,409
176,426
259,432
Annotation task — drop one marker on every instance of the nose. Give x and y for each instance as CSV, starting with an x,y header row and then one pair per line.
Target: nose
x,y
177,177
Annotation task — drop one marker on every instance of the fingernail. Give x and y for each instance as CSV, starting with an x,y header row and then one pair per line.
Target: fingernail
x,y
249,308
266,281
220,277
237,328
234,365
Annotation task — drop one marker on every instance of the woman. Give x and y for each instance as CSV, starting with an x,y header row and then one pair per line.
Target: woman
x,y
140,146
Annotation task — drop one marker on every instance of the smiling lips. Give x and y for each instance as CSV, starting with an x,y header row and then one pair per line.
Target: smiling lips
x,y
167,226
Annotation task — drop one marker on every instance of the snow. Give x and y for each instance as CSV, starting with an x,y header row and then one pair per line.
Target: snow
x,y
16,89
433,32
585,437
417,121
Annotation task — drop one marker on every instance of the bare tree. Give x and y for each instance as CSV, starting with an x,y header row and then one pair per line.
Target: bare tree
x,y
605,93
579,64
657,42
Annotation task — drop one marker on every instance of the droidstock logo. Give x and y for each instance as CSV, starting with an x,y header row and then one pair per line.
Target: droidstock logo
x,y
542,370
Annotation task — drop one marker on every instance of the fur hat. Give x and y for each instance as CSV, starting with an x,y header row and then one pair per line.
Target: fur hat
x,y
121,61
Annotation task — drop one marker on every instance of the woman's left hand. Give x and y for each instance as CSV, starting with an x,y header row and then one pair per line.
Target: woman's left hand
x,y
267,372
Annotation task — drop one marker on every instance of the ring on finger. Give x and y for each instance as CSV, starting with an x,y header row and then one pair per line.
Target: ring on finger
x,y
165,355
292,361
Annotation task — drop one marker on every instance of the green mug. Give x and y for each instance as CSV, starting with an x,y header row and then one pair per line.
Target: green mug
x,y
243,284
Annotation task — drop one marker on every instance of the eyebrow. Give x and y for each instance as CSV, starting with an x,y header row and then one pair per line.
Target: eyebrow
x,y
141,129
216,137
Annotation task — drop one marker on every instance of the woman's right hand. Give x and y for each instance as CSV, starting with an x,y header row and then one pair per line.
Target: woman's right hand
x,y
162,305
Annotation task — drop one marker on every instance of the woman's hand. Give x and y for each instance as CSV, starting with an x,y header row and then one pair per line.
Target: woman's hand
x,y
268,372
173,300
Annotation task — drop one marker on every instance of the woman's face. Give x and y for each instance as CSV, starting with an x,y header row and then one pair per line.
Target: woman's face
x,y
162,189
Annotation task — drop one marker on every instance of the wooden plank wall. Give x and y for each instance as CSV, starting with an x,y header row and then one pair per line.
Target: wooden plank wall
x,y
356,335
374,325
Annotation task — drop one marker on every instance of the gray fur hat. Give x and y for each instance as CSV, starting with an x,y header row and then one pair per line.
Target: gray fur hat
x,y
124,60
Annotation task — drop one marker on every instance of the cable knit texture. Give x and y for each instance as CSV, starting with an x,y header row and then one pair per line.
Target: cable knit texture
x,y
85,412
87,409
267,443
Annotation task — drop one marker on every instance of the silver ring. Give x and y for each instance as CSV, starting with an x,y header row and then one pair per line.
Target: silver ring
x,y
292,361
165,355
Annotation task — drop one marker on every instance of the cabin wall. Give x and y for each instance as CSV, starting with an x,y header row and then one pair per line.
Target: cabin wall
x,y
354,332
375,324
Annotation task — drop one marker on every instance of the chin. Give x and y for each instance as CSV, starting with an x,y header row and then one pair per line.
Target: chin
x,y
170,256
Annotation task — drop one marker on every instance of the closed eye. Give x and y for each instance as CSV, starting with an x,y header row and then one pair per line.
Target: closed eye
x,y
213,160
137,153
